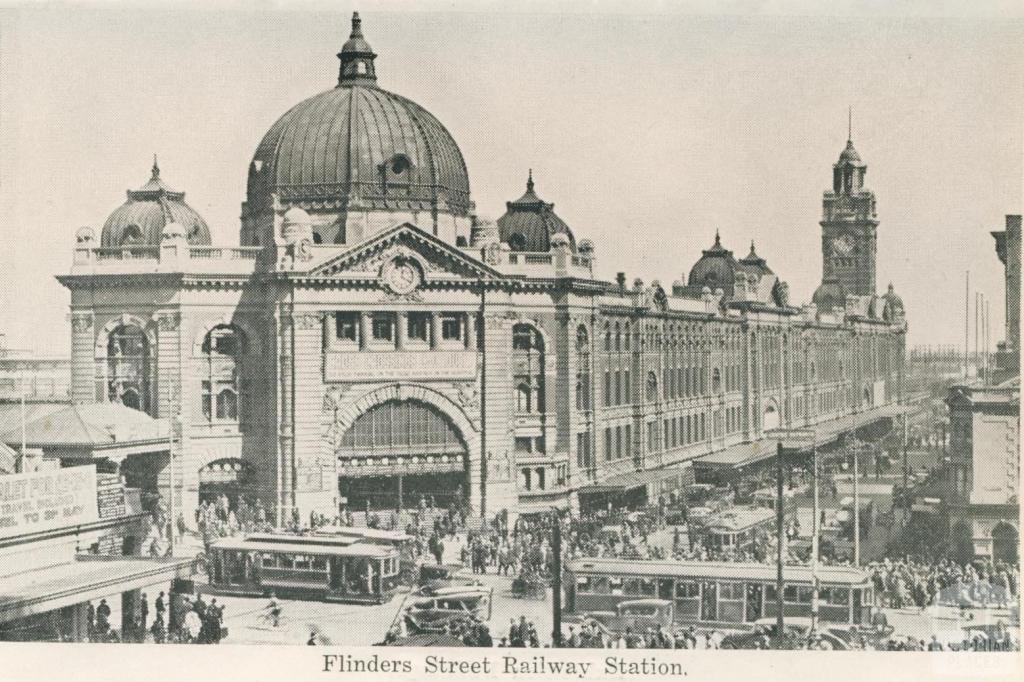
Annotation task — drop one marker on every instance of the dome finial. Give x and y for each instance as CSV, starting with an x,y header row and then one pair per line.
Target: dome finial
x,y
356,57
718,238
529,180
156,168
849,124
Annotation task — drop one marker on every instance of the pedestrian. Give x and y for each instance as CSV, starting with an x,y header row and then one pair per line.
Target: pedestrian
x,y
144,611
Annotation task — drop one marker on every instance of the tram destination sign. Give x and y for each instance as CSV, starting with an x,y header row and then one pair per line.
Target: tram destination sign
x,y
45,500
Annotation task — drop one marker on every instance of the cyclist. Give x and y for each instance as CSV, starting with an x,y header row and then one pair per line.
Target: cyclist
x,y
273,610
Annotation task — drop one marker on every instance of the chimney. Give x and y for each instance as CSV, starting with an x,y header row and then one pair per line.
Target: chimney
x,y
620,279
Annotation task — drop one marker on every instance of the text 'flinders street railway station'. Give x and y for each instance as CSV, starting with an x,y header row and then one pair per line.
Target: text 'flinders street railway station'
x,y
370,340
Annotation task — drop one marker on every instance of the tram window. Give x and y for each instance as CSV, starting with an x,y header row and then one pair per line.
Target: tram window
x,y
648,588
319,563
687,589
632,587
789,594
769,593
804,595
600,585
615,585
301,562
268,561
840,596
583,583
730,591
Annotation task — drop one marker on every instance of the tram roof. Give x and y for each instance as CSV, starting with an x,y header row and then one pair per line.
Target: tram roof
x,y
727,570
300,547
368,533
737,519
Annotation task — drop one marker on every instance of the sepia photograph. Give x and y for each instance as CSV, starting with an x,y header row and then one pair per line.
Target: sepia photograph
x,y
469,327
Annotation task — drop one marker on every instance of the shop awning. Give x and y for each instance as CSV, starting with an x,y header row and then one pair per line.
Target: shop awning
x,y
90,577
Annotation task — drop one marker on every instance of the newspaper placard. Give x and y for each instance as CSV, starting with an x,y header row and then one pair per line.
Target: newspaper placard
x,y
44,500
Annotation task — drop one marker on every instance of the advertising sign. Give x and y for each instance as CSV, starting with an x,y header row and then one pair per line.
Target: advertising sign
x,y
45,500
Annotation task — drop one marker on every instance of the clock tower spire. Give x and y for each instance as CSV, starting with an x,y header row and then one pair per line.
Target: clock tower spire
x,y
849,227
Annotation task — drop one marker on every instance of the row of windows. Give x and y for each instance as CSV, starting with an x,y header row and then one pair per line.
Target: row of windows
x,y
691,589
383,327
536,478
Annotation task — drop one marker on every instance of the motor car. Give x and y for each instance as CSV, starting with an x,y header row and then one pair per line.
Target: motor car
x,y
795,630
636,614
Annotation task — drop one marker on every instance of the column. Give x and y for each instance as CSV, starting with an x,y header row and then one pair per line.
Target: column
x,y
400,500
402,328
435,329
364,329
131,609
471,330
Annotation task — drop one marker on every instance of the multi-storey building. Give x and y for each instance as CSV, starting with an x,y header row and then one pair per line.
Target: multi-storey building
x,y
372,340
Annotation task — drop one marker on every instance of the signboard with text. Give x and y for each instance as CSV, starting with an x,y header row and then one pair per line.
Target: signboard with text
x,y
46,500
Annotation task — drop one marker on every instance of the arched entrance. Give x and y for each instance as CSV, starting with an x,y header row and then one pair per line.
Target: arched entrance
x,y
224,476
1005,540
400,451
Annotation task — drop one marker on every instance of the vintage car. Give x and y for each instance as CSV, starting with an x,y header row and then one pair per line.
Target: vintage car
x,y
636,614
796,630
471,600
435,573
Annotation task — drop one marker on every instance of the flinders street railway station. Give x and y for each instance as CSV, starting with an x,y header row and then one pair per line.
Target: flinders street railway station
x,y
371,340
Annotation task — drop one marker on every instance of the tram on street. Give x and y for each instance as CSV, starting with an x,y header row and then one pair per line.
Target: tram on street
x,y
325,567
722,594
737,528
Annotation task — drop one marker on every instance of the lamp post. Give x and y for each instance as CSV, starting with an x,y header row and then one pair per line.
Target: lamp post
x,y
556,583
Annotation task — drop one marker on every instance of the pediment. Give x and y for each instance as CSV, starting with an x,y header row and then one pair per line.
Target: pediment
x,y
401,254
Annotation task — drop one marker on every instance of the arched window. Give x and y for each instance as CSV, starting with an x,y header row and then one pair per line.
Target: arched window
x,y
652,387
221,386
517,242
528,361
618,337
129,368
607,337
716,380
131,236
582,340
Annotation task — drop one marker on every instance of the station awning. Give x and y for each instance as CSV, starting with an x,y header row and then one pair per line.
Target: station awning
x,y
632,480
745,454
88,578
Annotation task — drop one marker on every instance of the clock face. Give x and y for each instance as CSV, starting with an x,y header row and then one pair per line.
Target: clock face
x,y
402,277
842,245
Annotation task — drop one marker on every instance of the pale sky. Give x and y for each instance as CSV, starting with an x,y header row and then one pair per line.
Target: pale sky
x,y
648,132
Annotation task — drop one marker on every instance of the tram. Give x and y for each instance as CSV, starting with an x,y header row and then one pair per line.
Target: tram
x,y
722,594
737,528
330,568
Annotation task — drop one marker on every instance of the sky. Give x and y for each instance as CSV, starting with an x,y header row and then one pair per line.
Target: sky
x,y
649,131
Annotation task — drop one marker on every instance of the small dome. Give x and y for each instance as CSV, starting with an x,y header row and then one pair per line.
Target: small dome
x,y
586,246
140,221
716,268
893,308
830,295
529,223
754,264
85,235
174,231
849,156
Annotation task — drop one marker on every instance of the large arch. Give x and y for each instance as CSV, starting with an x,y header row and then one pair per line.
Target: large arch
x,y
345,417
1005,543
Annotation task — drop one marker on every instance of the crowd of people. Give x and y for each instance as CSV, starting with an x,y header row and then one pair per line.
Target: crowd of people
x,y
909,582
194,621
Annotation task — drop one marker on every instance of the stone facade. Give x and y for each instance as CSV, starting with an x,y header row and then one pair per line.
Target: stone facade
x,y
512,378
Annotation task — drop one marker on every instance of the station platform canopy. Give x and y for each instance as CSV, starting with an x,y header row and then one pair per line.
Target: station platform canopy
x,y
41,590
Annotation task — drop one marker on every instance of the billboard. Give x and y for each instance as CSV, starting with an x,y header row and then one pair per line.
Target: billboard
x,y
46,500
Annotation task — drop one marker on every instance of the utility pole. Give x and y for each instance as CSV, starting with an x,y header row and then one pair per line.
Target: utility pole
x,y
967,324
977,327
906,461
814,541
556,585
21,384
856,506
780,535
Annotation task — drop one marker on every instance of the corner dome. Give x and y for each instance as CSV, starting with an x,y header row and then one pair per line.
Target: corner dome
x,y
829,295
753,264
716,269
849,156
530,223
893,309
361,147
140,221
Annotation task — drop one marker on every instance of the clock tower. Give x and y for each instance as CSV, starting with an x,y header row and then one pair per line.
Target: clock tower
x,y
849,227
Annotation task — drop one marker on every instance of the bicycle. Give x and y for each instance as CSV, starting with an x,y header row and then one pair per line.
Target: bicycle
x,y
267,618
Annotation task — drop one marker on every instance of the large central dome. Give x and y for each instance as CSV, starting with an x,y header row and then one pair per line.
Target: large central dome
x,y
359,148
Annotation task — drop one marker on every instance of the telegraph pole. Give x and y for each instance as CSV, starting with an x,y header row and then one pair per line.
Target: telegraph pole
x,y
556,585
856,507
781,536
814,541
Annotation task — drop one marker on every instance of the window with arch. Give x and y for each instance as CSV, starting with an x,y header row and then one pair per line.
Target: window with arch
x,y
716,380
221,386
528,361
652,387
131,236
129,368
517,242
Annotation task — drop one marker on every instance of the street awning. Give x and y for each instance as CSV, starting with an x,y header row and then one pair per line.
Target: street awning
x,y
89,578
632,480
745,454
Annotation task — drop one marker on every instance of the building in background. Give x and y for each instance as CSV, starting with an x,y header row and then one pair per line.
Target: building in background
x,y
372,341
984,470
40,378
